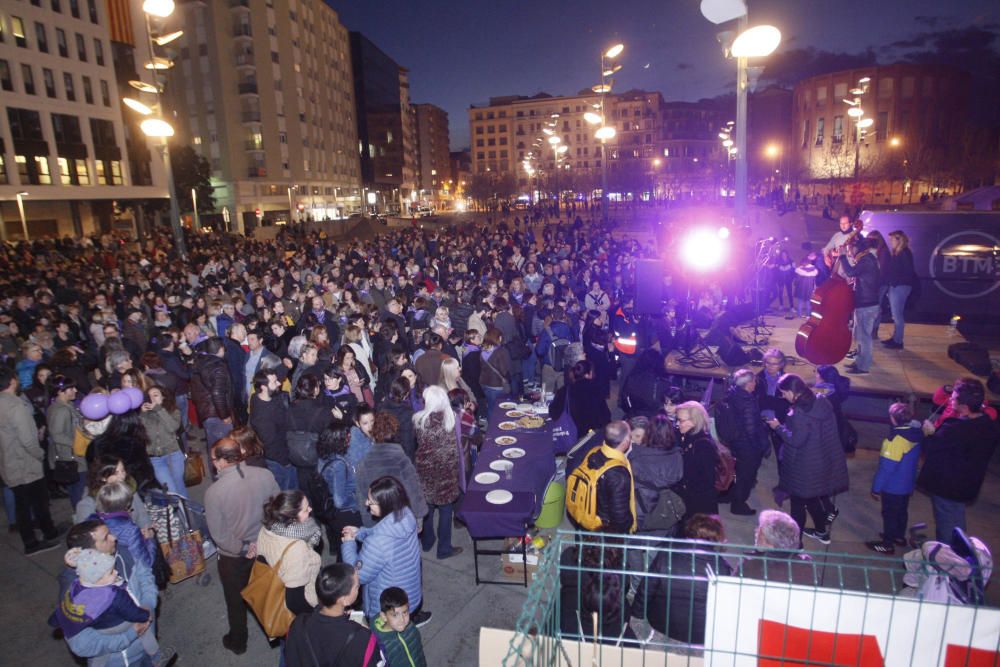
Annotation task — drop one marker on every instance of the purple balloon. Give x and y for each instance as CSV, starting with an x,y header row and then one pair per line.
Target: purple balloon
x,y
119,403
94,406
135,396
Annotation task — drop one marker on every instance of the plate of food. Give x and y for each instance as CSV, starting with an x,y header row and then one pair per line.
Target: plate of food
x,y
524,407
487,478
530,422
505,440
501,466
513,453
514,414
507,426
499,497
508,405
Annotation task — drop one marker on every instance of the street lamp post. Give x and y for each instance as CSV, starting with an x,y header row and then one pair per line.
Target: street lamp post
x,y
291,208
194,209
20,209
155,126
605,131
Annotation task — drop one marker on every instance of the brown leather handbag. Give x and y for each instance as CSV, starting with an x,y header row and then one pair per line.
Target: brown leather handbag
x,y
265,595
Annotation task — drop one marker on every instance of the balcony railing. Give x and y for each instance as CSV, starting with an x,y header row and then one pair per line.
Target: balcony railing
x,y
257,172
248,88
245,59
250,116
253,146
242,30
236,4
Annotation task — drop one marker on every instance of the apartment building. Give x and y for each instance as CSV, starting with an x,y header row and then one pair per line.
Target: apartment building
x,y
433,152
62,136
263,89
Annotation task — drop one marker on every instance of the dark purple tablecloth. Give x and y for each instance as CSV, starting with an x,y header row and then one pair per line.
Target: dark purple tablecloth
x,y
531,475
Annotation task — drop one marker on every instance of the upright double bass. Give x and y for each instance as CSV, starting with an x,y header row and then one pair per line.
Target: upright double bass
x,y
825,338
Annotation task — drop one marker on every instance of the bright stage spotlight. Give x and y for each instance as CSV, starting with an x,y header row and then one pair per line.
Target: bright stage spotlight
x,y
703,250
723,233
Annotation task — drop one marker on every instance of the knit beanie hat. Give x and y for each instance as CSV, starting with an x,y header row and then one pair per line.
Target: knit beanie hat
x,y
92,565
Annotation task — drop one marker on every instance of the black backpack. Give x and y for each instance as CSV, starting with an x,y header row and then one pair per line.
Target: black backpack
x,y
316,489
557,351
726,424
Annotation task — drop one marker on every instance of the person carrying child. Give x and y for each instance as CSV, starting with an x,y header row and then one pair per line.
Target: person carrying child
x,y
896,477
398,636
98,599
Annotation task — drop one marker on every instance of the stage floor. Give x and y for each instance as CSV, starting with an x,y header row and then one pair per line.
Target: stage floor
x,y
913,373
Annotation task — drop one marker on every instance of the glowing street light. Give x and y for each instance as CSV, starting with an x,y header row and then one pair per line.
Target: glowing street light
x,y
592,118
137,106
772,150
144,87
895,142
156,127
158,63
163,40
757,42
614,51
601,89
865,123
158,8
605,133
855,112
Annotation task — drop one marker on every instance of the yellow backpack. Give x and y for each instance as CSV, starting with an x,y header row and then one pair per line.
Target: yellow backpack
x,y
581,491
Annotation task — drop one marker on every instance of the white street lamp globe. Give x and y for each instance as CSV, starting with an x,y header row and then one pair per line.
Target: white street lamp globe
x,y
601,89
548,131
158,63
727,143
855,112
721,11
865,122
562,149
137,106
605,133
143,87
555,140
614,51
156,127
756,42
159,8
592,118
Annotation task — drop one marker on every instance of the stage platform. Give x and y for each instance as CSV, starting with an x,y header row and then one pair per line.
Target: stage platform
x,y
911,374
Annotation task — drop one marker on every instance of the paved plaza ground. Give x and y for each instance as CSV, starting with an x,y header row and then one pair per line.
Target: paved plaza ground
x,y
192,617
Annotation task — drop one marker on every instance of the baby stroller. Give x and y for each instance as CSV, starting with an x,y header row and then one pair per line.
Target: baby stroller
x,y
955,573
182,533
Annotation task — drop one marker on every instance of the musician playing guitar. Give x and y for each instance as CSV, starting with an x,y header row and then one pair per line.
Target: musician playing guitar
x,y
861,264
838,243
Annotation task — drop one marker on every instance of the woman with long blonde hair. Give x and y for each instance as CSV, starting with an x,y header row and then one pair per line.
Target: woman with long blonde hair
x,y
451,378
902,280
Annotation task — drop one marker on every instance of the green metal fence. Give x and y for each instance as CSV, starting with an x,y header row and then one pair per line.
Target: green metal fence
x,y
621,600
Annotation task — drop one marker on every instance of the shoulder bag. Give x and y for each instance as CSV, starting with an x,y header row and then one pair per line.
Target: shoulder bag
x,y
265,595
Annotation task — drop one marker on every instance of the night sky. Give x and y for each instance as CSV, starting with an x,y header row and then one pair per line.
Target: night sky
x,y
461,52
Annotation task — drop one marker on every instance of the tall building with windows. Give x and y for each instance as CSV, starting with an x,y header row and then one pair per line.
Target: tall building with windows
x,y
62,137
507,129
386,127
263,90
919,117
433,151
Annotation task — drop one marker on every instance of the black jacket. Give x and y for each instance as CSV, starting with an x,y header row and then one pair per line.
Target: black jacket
x,y
958,455
172,363
211,387
697,486
268,419
675,605
642,394
766,401
812,461
309,414
901,271
753,433
403,412
867,279
655,470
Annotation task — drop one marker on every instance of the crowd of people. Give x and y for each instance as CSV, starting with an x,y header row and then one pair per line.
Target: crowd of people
x,y
343,388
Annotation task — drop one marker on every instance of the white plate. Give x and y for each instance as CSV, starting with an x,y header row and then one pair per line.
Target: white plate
x,y
508,405
500,466
505,440
487,477
513,453
507,426
514,414
524,407
499,497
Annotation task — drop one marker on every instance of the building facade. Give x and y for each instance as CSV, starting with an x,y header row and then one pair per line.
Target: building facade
x,y
264,92
62,138
386,128
434,154
913,144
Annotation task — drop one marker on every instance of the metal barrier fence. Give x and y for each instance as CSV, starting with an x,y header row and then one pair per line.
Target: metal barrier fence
x,y
625,600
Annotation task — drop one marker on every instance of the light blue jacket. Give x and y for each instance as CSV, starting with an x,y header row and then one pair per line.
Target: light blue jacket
x,y
358,446
124,648
390,556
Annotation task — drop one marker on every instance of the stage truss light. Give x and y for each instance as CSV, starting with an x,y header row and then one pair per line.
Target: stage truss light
x,y
703,251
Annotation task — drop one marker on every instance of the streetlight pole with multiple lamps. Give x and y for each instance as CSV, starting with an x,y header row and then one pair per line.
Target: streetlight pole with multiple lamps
x,y
155,126
605,132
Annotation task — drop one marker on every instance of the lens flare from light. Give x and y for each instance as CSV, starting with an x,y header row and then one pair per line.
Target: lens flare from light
x,y
723,233
702,251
